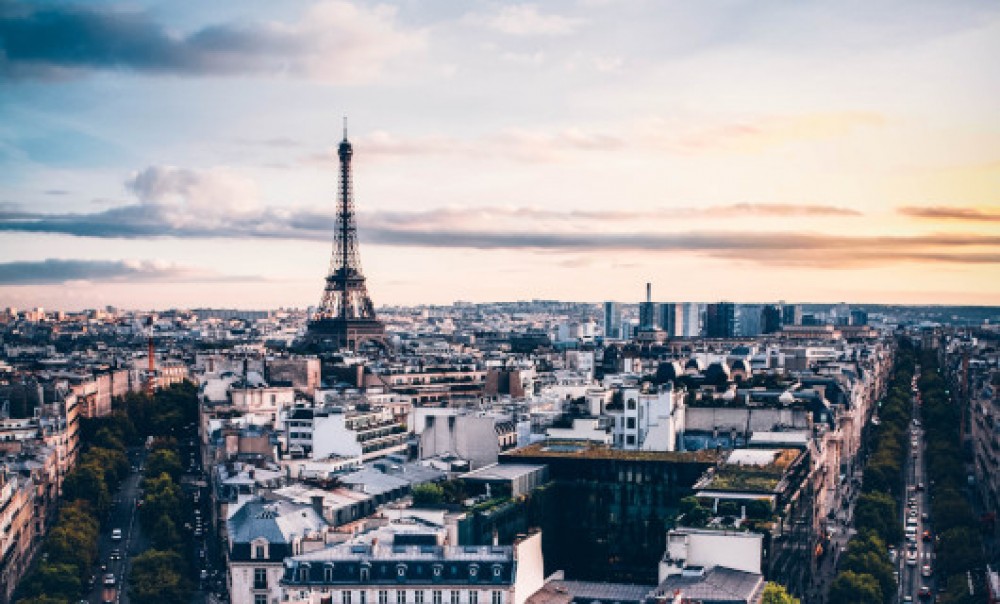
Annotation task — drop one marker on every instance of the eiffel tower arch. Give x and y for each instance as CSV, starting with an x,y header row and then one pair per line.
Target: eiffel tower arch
x,y
346,315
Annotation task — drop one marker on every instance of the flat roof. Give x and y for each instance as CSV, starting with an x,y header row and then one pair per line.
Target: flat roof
x,y
591,450
510,471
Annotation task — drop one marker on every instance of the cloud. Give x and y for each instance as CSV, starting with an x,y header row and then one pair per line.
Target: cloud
x,y
334,40
951,213
52,271
526,20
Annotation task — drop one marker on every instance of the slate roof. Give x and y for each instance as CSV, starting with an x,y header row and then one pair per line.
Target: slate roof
x,y
719,585
276,521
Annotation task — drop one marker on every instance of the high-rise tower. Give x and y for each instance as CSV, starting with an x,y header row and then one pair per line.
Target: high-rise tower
x,y
346,316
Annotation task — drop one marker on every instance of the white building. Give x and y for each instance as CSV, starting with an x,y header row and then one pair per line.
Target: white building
x,y
648,420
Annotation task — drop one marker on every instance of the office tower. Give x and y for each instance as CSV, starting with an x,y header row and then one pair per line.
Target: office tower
x,y
859,317
647,310
672,319
791,314
720,320
748,320
692,320
612,321
770,320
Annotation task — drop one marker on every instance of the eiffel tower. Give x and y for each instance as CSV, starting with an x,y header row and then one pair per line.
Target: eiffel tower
x,y
346,316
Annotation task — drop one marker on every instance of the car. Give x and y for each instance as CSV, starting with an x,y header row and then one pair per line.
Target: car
x,y
925,570
924,593
907,598
920,486
116,534
926,536
911,558
925,517
116,554
109,580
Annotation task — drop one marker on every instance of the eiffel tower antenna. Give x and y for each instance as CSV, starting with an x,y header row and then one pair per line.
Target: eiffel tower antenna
x,y
346,315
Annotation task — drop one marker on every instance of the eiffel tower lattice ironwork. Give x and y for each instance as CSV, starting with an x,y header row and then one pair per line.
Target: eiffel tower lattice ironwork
x,y
346,315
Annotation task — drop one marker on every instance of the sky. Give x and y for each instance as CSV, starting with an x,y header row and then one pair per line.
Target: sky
x,y
183,153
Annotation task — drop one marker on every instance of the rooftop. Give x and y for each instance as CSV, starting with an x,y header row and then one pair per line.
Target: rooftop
x,y
717,584
590,450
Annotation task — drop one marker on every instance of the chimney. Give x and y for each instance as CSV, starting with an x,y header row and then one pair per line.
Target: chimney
x,y
496,537
649,292
317,504
360,376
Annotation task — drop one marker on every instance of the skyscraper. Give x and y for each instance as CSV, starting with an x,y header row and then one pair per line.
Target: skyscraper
x,y
720,320
647,310
791,314
612,321
672,319
770,319
346,316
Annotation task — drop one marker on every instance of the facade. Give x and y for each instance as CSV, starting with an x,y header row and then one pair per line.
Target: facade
x,y
325,431
647,311
415,568
720,320
260,536
672,319
612,321
18,537
649,419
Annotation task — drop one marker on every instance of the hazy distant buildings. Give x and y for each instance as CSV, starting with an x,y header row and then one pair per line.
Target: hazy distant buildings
x,y
749,320
672,319
720,320
791,314
692,320
770,319
612,321
647,310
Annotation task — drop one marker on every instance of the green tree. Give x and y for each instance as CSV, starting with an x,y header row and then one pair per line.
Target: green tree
x,y
850,587
877,512
54,580
157,577
86,482
427,494
163,461
777,594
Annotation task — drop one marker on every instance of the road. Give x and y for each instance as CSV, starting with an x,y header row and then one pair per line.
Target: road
x,y
123,515
918,554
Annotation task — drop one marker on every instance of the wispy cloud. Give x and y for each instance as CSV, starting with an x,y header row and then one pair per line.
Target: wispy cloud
x,y
951,213
60,271
526,20
334,40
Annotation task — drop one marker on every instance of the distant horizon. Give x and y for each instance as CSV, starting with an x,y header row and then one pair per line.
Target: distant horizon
x,y
176,154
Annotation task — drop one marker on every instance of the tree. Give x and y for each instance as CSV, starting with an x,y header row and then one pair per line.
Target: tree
x,y
427,494
850,587
777,594
164,461
877,512
54,580
157,577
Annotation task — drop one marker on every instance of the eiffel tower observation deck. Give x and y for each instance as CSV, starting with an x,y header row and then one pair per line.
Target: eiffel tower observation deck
x,y
346,315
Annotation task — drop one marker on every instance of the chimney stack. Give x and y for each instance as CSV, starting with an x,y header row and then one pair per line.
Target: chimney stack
x,y
649,292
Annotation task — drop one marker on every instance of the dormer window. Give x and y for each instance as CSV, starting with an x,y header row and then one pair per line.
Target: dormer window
x,y
328,573
365,573
437,570
473,570
401,571
258,549
497,571
304,573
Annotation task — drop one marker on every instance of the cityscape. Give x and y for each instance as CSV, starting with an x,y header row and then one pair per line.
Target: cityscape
x,y
255,351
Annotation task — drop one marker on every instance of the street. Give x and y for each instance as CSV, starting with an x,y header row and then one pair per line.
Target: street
x,y
915,561
123,516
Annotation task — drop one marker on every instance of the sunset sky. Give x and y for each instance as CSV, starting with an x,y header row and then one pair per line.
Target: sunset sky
x,y
161,154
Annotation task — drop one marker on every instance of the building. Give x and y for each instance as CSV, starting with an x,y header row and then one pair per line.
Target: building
x,y
720,320
692,320
648,419
324,431
770,319
612,321
647,310
261,535
672,319
416,568
791,314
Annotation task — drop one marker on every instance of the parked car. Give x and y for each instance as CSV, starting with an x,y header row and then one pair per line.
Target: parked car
x,y
925,570
116,534
109,580
911,558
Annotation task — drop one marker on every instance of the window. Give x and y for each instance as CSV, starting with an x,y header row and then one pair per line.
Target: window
x,y
436,596
303,573
454,596
630,423
400,597
497,570
497,597
328,574
631,403
383,596
362,597
345,597
418,596
473,597
260,599
259,551
260,578
401,570
473,570
365,574
437,570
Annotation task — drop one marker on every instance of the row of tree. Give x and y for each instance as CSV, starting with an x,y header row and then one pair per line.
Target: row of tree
x,y
865,571
959,546
162,574
70,552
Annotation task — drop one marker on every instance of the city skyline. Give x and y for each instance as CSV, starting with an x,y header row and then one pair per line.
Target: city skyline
x,y
160,155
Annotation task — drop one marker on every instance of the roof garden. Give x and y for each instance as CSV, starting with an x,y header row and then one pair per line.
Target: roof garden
x,y
590,450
